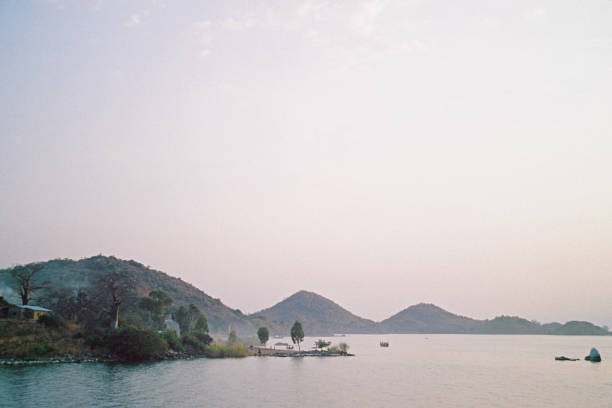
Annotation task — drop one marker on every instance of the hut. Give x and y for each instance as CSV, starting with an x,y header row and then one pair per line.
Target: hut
x,y
285,345
26,312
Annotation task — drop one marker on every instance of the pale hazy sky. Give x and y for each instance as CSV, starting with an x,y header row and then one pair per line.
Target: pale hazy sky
x,y
380,153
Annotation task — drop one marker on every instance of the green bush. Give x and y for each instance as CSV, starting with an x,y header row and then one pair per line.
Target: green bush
x,y
132,344
173,340
42,349
52,321
193,344
94,341
216,350
202,337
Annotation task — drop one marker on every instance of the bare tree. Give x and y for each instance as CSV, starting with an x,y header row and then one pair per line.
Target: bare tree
x,y
25,282
115,283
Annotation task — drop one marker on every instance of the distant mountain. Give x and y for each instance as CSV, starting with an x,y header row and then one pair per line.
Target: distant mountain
x,y
66,273
318,315
574,328
510,325
428,318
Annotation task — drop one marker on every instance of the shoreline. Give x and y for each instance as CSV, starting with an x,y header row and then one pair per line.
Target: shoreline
x,y
252,352
268,352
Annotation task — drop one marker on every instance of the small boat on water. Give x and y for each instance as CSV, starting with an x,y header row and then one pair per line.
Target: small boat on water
x,y
384,344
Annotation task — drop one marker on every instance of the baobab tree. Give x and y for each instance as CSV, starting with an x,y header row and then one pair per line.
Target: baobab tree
x,y
25,282
115,283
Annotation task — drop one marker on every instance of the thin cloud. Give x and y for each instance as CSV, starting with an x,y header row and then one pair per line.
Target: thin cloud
x,y
364,20
202,30
238,25
133,21
536,15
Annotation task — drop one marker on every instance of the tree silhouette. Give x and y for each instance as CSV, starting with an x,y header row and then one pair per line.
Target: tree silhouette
x,y
297,334
24,280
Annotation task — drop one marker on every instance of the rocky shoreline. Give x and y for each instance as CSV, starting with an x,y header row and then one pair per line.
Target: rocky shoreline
x,y
87,359
170,356
54,360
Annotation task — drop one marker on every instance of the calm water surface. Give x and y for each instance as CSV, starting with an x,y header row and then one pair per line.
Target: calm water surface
x,y
415,371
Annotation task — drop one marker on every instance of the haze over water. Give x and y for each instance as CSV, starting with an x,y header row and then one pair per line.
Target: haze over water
x,y
416,371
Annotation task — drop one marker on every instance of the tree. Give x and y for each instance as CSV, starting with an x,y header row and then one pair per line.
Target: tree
x,y
190,319
157,303
297,334
264,335
201,325
321,344
83,305
24,280
232,338
182,320
132,344
343,347
115,285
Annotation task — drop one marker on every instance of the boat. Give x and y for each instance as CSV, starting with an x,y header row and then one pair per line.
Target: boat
x,y
384,344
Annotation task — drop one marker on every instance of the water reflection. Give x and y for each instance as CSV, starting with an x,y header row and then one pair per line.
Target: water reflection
x,y
443,371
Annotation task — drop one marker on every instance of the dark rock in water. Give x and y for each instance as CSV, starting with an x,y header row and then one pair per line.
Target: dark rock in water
x,y
563,358
593,356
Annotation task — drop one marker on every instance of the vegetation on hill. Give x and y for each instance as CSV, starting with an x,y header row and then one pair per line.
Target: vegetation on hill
x,y
73,278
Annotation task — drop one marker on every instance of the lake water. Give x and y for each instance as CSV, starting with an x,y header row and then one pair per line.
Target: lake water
x,y
415,371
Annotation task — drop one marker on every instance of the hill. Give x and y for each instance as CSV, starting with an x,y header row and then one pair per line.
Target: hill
x,y
428,318
70,274
318,315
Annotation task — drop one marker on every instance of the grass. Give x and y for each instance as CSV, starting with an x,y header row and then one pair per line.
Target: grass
x,y
28,339
218,350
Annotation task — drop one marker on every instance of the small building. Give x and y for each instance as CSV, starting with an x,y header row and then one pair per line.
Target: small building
x,y
26,312
287,346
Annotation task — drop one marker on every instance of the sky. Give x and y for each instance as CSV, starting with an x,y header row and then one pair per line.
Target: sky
x,y
380,153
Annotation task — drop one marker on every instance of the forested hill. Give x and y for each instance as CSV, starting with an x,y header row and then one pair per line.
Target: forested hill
x,y
66,273
318,315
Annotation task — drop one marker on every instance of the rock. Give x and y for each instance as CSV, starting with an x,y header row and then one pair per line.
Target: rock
x,y
563,358
593,356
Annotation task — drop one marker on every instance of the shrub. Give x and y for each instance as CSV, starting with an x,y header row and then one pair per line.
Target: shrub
x,y
203,337
173,340
52,321
94,341
132,344
193,344
42,349
216,350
